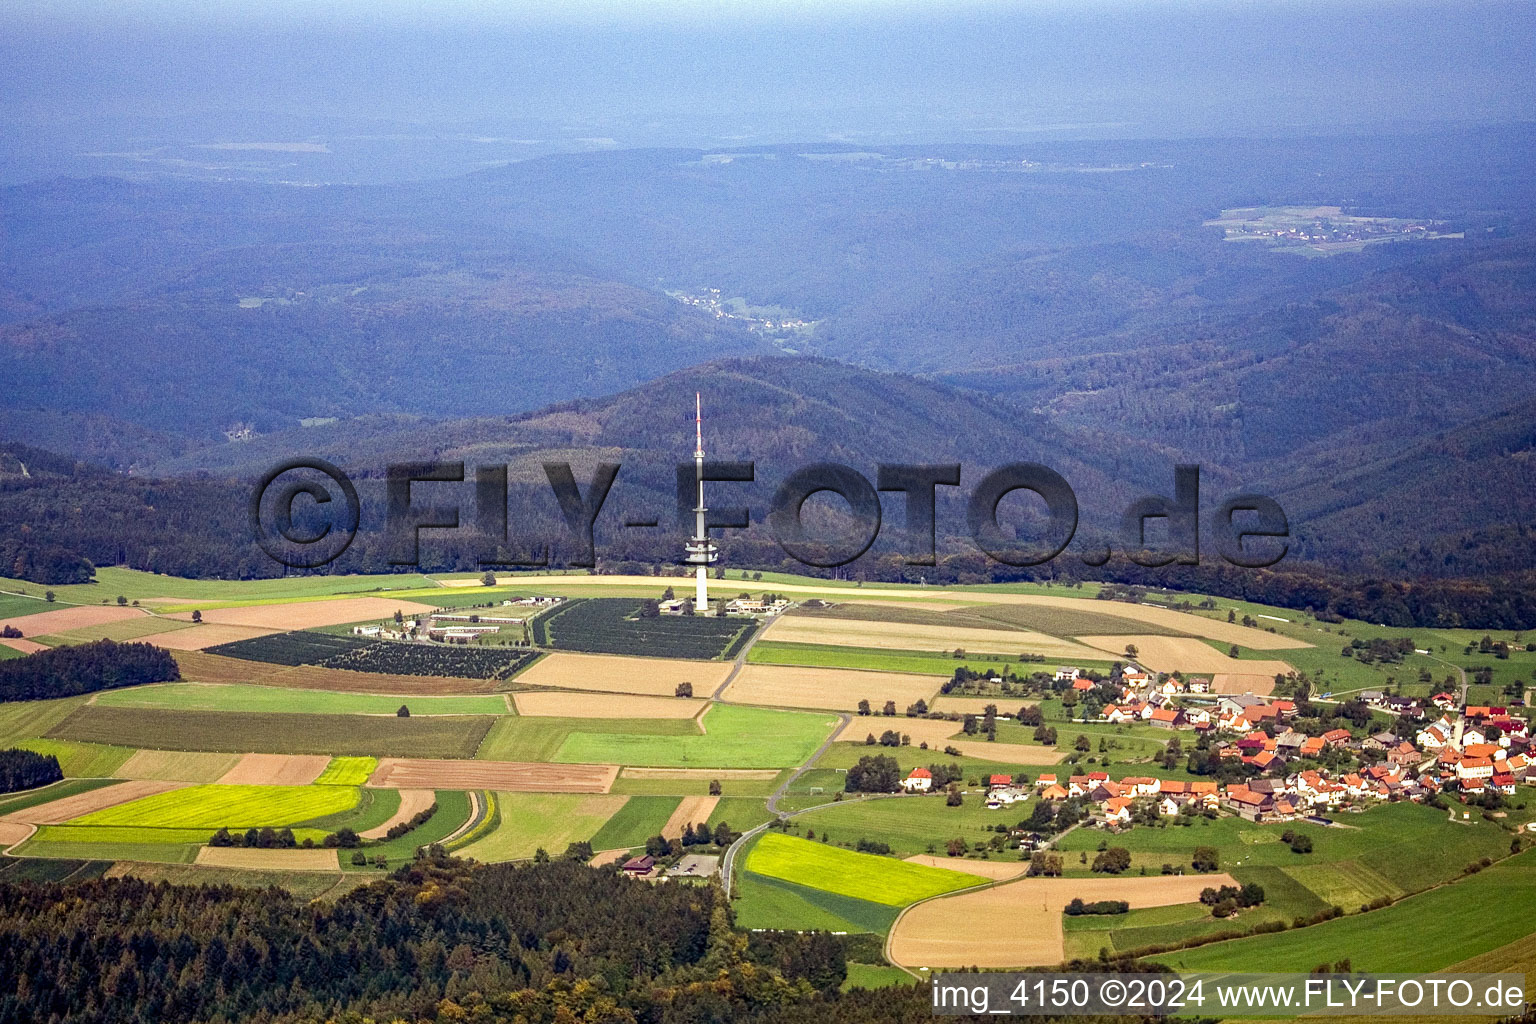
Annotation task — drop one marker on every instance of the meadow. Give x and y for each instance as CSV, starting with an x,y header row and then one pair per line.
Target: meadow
x,y
277,699
734,737
861,876
912,825
632,824
81,760
774,903
547,821
441,736
453,810
1427,932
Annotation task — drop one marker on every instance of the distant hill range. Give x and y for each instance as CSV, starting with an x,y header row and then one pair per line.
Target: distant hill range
x,y
1061,303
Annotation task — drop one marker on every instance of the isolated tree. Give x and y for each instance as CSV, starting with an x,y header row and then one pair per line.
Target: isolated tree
x,y
669,594
197,616
121,600
714,787
864,707
404,712
48,596
488,580
890,709
1205,858
1131,652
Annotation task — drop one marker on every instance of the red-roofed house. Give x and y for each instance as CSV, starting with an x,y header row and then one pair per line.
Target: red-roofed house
x,y
920,781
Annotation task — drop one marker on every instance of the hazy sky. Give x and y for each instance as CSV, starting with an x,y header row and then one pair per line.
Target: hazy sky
x,y
1173,66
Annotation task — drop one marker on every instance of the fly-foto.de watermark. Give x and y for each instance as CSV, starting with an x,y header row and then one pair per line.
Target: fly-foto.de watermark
x,y
305,513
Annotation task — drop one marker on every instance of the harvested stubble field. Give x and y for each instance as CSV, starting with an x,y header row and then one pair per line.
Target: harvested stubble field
x,y
13,832
702,774
998,870
559,704
65,808
819,629
938,734
977,706
212,668
1095,617
438,736
511,776
125,629
177,766
267,860
548,821
307,614
23,646
62,620
1183,654
1233,682
830,688
412,803
203,636
1018,924
616,674
276,770
691,810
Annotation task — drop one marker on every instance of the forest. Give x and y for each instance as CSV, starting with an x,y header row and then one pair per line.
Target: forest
x,y
84,668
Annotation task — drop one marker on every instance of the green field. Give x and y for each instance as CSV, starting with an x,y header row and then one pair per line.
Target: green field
x,y
539,738
734,737
305,885
912,824
161,853
533,821
777,652
248,697
860,876
347,771
277,733
452,812
740,813
1426,932
873,976
216,806
124,629
773,903
112,582
27,869
640,818
31,719
81,760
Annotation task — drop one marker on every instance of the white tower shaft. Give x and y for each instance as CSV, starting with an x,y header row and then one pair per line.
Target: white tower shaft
x,y
700,535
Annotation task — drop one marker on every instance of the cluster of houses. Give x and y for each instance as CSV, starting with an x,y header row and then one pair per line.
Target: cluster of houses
x,y
1471,751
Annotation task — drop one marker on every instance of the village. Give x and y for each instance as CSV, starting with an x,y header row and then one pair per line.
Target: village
x,y
1267,769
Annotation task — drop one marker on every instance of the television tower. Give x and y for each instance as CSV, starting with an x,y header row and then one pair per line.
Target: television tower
x,y
701,551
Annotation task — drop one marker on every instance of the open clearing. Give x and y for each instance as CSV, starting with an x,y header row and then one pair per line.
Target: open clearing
x,y
66,808
834,689
412,803
203,636
276,770
218,806
1018,924
308,614
1233,682
1183,654
691,811
557,704
61,620
819,629
616,674
267,860
511,776
532,821
862,876
177,766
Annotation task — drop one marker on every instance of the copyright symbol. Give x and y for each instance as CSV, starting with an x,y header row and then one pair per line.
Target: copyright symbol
x,y
1112,992
322,533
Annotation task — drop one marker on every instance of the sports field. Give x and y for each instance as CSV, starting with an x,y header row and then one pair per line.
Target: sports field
x,y
860,876
834,689
548,821
278,699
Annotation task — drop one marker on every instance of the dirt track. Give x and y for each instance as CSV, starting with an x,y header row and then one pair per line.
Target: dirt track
x,y
510,776
1018,924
